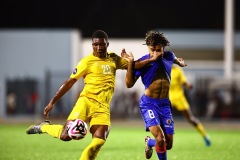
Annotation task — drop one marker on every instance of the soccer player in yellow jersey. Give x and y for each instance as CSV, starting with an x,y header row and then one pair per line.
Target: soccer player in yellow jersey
x,y
98,70
180,103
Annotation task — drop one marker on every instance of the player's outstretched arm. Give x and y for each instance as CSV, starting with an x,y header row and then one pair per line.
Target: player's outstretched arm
x,y
130,79
61,91
139,64
180,62
188,85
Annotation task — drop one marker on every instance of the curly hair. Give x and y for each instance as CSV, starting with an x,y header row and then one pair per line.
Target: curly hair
x,y
100,34
154,38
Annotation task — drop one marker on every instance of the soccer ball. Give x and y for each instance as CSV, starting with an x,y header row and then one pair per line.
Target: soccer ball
x,y
77,129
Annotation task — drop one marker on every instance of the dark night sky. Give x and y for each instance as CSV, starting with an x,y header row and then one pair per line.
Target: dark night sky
x,y
124,18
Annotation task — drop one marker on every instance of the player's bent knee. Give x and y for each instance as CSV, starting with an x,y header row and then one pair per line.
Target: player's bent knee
x,y
169,142
160,142
169,146
65,137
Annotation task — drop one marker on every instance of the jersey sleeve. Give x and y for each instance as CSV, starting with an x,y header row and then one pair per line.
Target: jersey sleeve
x,y
121,63
138,72
170,56
80,70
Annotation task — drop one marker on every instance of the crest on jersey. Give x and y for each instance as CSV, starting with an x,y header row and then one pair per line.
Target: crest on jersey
x,y
168,121
75,71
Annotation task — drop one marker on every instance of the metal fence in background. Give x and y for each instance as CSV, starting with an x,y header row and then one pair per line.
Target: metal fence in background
x,y
211,98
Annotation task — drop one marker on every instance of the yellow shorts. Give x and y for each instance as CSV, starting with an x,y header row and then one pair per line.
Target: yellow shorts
x,y
90,111
180,103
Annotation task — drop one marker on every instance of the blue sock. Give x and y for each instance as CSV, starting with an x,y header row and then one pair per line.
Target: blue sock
x,y
162,156
151,143
161,153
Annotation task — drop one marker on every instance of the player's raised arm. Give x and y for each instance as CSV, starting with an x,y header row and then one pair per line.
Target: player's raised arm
x,y
180,62
130,79
139,64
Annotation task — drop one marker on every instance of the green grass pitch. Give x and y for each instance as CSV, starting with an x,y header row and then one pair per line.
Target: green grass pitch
x,y
124,143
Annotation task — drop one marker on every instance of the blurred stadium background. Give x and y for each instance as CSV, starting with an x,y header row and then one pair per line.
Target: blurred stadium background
x,y
42,41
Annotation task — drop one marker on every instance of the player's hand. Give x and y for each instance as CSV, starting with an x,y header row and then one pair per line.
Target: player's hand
x,y
188,86
181,62
47,109
129,57
156,55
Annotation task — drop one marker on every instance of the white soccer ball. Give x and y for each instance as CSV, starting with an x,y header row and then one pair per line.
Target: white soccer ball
x,y
77,129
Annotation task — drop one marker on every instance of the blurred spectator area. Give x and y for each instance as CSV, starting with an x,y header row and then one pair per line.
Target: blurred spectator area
x,y
21,96
214,98
211,98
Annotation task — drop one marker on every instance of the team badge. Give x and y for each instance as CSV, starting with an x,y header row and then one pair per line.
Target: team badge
x,y
169,121
75,71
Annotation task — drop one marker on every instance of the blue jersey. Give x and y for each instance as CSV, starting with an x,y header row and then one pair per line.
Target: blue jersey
x,y
148,72
156,111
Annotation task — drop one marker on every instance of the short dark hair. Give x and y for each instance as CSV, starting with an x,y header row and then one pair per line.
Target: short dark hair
x,y
100,34
154,38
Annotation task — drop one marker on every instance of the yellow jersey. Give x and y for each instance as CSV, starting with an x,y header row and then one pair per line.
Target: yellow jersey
x,y
177,80
99,76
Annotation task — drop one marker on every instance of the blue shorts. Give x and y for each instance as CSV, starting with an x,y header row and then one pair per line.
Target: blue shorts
x,y
157,112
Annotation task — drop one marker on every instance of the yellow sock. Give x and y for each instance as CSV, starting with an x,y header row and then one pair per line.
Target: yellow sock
x,y
91,151
52,129
201,129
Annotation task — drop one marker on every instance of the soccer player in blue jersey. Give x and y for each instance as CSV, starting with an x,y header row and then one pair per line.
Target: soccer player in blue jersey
x,y
155,106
